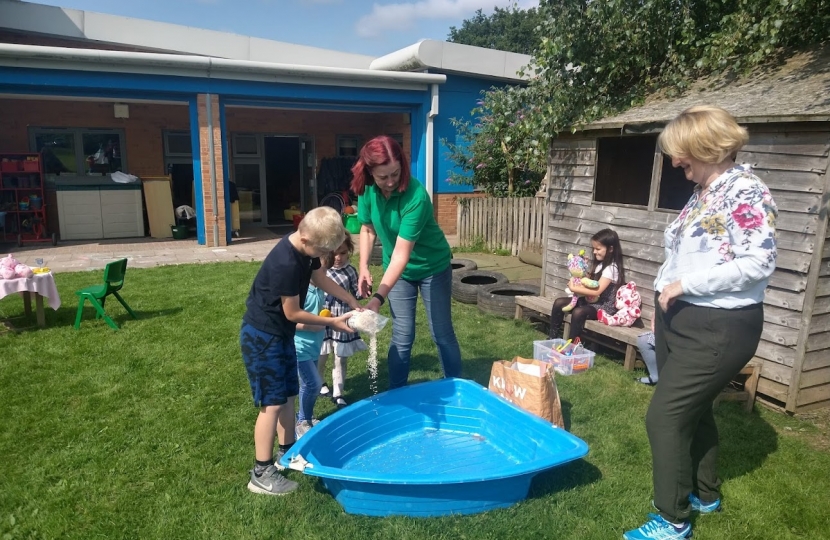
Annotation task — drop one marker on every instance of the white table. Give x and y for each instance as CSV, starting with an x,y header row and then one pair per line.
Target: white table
x,y
41,286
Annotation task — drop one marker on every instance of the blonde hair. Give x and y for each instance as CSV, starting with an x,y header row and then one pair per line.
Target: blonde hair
x,y
323,228
704,132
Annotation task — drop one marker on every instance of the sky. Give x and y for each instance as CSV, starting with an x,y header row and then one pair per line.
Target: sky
x,y
367,27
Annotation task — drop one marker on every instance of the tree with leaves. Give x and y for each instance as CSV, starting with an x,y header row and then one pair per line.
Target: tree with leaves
x,y
494,152
595,58
507,29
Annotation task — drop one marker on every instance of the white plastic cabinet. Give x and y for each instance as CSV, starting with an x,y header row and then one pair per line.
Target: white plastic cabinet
x,y
92,208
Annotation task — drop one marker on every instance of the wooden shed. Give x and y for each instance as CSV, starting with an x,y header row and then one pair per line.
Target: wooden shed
x,y
611,174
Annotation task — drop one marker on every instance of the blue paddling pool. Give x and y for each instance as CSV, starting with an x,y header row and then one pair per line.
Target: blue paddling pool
x,y
431,449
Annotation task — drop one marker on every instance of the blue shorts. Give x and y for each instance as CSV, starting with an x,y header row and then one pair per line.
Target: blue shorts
x,y
271,363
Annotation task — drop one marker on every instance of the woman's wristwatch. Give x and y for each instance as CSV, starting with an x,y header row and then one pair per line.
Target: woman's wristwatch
x,y
379,297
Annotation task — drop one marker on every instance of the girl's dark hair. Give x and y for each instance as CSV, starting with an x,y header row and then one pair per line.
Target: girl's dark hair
x,y
328,258
613,255
381,150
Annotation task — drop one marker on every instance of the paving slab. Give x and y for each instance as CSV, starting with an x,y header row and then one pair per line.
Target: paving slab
x,y
254,245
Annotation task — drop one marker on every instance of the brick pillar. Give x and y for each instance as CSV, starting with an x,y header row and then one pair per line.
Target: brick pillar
x,y
204,156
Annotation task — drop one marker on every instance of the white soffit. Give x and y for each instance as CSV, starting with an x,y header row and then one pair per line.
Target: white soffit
x,y
454,57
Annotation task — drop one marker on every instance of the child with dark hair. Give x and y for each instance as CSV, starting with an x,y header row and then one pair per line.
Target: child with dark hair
x,y
608,271
342,344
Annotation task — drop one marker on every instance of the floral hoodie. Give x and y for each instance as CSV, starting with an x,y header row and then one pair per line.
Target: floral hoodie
x,y
722,245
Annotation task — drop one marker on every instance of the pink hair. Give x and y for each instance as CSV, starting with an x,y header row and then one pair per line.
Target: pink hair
x,y
381,150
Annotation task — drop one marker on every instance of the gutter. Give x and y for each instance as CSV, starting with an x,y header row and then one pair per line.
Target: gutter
x,y
430,146
33,56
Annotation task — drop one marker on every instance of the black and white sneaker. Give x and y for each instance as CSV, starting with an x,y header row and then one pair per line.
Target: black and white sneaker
x,y
324,390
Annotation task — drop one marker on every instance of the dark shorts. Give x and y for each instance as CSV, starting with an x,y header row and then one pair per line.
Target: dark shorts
x,y
271,363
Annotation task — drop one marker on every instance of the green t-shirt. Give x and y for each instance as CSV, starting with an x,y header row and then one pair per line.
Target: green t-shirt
x,y
410,216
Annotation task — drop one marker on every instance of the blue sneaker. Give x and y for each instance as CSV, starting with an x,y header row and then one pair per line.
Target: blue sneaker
x,y
702,507
657,528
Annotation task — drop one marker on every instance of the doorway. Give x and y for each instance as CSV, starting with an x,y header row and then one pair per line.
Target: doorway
x,y
283,177
274,175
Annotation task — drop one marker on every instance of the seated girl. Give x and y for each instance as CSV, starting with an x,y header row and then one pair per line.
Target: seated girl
x,y
608,271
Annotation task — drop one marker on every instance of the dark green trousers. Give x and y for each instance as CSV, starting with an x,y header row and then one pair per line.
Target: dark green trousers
x,y
699,351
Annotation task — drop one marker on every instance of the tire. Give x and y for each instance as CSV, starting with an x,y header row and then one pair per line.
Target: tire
x,y
531,257
463,264
500,300
466,283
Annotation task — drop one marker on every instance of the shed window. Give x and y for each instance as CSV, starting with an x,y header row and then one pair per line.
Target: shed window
x,y
675,190
624,167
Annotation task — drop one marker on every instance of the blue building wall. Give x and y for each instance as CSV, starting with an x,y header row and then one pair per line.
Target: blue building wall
x,y
457,97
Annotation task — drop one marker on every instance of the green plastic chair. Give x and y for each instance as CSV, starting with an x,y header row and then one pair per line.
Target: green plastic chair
x,y
97,294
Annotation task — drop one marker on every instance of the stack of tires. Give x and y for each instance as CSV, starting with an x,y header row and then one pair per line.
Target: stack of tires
x,y
491,291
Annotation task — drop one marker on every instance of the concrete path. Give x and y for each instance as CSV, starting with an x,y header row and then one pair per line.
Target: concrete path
x,y
253,245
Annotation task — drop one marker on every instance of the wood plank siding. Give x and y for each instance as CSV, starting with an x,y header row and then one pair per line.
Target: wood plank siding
x,y
792,159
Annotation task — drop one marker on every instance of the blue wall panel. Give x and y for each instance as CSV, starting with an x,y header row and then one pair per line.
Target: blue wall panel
x,y
457,98
195,148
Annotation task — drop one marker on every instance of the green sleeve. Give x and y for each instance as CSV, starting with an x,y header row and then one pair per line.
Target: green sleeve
x,y
364,208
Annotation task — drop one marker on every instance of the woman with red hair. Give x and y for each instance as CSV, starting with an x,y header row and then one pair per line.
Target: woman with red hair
x,y
396,208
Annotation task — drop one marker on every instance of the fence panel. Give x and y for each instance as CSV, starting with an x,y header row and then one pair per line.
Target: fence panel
x,y
513,224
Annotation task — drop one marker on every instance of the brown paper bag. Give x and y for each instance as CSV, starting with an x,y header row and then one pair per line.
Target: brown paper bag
x,y
537,394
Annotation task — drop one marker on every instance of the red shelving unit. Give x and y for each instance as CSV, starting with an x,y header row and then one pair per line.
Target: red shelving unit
x,y
22,198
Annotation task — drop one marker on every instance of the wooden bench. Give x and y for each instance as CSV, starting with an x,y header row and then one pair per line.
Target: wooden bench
x,y
620,338
624,339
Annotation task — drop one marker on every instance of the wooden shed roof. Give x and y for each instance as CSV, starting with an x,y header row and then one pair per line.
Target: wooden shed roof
x,y
794,91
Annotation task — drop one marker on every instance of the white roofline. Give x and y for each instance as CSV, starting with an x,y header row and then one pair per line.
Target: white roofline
x,y
32,56
454,57
76,24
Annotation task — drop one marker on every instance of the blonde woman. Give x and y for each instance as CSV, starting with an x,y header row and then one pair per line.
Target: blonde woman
x,y
720,253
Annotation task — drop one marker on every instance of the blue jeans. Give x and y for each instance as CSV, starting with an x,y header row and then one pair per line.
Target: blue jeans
x,y
436,291
310,384
649,355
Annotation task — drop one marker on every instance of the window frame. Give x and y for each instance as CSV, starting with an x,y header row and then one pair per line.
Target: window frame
x,y
77,134
618,137
358,139
655,181
167,152
235,145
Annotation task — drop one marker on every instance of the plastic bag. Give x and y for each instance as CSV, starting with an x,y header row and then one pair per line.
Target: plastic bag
x,y
367,321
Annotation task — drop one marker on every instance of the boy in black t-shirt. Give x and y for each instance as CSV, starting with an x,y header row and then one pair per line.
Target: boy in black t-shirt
x,y
274,307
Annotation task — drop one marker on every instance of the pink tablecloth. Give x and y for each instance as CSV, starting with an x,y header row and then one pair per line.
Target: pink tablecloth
x,y
43,284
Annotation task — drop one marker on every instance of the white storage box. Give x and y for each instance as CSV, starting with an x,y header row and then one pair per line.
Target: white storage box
x,y
572,359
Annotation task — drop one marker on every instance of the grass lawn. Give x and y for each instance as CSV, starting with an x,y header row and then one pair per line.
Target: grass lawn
x,y
147,433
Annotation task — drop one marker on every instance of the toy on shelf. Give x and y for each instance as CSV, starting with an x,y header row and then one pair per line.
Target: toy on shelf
x,y
22,198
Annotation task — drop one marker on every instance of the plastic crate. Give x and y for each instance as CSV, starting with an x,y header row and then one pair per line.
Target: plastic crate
x,y
580,359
